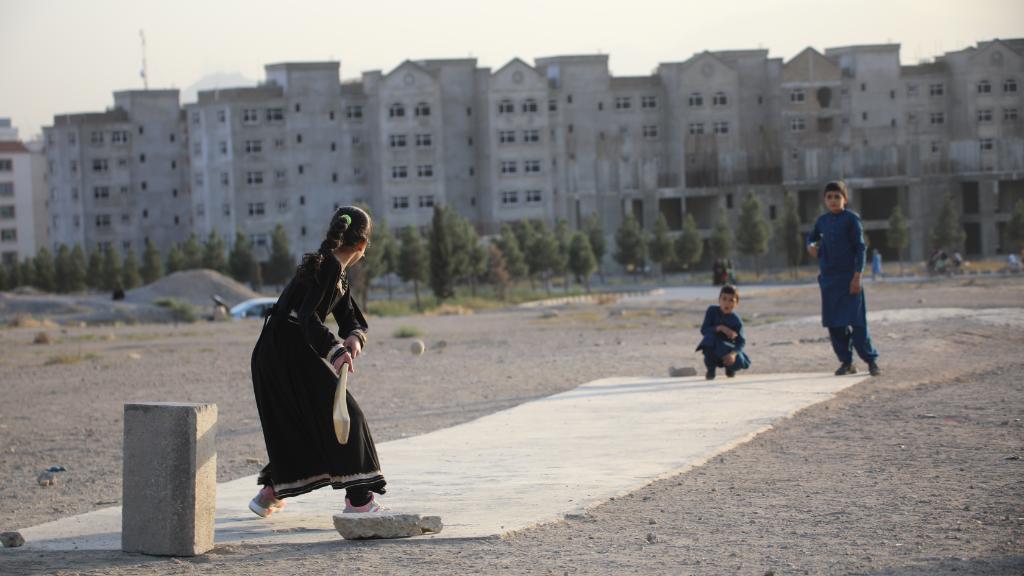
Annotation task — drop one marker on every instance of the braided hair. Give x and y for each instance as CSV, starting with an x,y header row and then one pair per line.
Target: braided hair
x,y
349,226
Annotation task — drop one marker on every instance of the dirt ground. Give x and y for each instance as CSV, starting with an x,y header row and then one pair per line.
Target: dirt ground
x,y
919,471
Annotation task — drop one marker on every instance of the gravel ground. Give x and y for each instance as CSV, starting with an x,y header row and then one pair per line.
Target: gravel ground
x,y
919,471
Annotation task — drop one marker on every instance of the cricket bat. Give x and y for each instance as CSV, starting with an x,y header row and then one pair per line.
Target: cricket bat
x,y
342,422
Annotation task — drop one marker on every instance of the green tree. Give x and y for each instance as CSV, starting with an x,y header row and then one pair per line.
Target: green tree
x,y
459,244
581,259
595,234
412,265
789,231
130,277
532,237
949,233
754,231
3,277
27,272
630,249
175,260
44,270
77,270
241,262
213,253
543,255
151,265
661,247
442,281
563,236
386,246
62,269
898,235
1015,228
497,271
689,247
192,253
94,273
721,239
281,264
515,262
111,275
472,256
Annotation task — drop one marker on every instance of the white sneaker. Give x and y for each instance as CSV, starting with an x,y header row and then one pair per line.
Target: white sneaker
x,y
371,506
265,502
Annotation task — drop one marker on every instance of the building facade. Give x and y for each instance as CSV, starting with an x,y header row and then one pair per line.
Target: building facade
x,y
22,196
559,139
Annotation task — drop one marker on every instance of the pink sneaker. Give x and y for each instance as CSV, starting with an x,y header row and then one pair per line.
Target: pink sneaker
x,y
371,506
265,502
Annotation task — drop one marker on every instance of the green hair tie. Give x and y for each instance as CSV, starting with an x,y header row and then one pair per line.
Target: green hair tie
x,y
347,219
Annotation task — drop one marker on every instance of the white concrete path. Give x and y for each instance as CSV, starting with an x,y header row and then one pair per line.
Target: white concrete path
x,y
520,467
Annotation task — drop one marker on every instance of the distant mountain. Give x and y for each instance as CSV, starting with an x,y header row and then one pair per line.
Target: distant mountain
x,y
214,81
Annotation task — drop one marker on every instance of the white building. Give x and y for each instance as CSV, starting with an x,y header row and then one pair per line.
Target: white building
x,y
22,197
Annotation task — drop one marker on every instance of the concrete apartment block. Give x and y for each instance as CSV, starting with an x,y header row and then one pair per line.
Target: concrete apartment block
x,y
23,214
170,478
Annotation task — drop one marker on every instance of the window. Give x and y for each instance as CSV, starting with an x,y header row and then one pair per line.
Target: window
x,y
422,109
282,205
6,189
531,136
354,112
399,202
529,106
986,144
223,148
96,138
1010,85
301,169
984,115
696,99
250,116
225,180
506,136
646,102
397,141
257,209
280,175
298,138
797,96
426,201
984,87
506,107
222,116
936,118
936,89
254,178
864,116
7,165
863,87
356,140
797,124
278,143
9,235
623,103
425,171
275,114
719,99
1009,114
101,192
142,158
721,127
936,149
531,166
226,209
195,118
696,128
552,105
103,221
396,111
509,198
424,141
399,172
911,90
334,147
253,146
508,167
650,132
119,137
100,165
533,197
298,107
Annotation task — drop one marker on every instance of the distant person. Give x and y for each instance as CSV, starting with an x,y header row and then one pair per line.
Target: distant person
x,y
118,293
295,368
837,241
1013,262
958,262
722,333
876,264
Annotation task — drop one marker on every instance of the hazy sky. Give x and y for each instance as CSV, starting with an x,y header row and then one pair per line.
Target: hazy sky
x,y
61,56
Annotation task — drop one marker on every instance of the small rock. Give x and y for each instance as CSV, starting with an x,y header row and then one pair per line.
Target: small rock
x,y
252,460
42,338
681,371
1014,457
652,521
652,538
12,539
921,300
440,344
927,416
387,525
417,347
550,314
616,312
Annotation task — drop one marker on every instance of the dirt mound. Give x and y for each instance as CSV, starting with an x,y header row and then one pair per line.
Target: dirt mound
x,y
193,286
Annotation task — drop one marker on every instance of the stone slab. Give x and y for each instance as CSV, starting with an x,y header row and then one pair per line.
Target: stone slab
x,y
387,525
579,448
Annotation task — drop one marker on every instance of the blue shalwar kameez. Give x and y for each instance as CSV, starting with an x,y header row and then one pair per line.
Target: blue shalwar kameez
x,y
716,346
841,252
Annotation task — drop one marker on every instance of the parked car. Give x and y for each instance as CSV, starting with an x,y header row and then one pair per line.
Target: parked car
x,y
253,308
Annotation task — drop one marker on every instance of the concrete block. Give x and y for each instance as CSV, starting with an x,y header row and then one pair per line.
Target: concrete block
x,y
170,478
385,525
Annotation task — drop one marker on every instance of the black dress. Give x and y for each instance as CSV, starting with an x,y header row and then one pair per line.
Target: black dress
x,y
294,386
